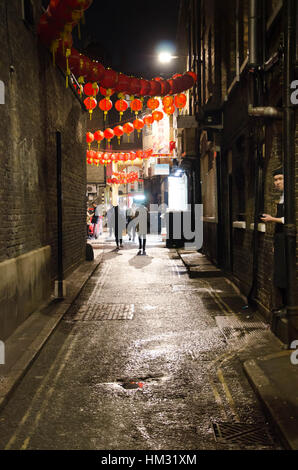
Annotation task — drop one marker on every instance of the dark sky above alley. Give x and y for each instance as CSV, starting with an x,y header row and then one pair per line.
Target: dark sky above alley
x,y
130,34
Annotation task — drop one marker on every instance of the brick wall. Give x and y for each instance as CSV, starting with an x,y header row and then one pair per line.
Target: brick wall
x,y
239,137
37,105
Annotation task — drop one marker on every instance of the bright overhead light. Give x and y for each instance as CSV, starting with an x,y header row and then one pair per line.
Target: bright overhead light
x,y
165,57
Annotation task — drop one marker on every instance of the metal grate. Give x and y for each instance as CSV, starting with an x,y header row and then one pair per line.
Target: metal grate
x,y
99,312
234,329
242,433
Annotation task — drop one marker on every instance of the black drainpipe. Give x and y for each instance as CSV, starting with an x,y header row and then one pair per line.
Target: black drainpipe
x,y
290,7
59,215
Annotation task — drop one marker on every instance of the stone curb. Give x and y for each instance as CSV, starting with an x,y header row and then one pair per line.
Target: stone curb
x,y
9,382
200,270
279,413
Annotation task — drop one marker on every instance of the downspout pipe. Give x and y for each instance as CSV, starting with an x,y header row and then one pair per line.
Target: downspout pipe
x,y
265,111
290,11
59,283
253,34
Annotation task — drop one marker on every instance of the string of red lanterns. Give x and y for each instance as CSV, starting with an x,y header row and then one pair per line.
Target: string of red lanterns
x,y
54,30
103,158
123,178
129,127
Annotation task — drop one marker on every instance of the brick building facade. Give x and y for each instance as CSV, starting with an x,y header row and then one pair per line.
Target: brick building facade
x,y
237,151
37,106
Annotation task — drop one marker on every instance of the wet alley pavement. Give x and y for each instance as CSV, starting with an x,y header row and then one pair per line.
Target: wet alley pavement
x,y
145,358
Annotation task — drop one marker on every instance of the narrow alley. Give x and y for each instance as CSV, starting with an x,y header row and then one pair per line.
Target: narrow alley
x,y
145,358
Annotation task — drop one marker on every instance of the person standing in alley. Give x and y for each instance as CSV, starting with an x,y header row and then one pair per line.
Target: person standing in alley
x,y
141,228
94,220
131,229
280,269
119,225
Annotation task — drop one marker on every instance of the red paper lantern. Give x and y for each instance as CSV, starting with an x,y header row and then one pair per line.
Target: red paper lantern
x,y
105,105
91,89
187,81
172,145
105,158
108,134
171,85
180,100
47,31
99,136
121,106
148,119
85,66
74,61
155,88
132,156
193,75
128,128
135,86
96,159
106,92
136,105
153,103
90,104
180,83
138,124
169,109
90,156
165,87
145,87
157,115
96,72
168,101
109,79
118,130
89,138
123,83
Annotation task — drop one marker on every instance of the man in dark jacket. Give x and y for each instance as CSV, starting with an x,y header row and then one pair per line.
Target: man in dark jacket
x,y
118,221
280,268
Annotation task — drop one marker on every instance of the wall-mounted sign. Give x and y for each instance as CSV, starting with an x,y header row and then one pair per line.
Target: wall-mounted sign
x,y
161,169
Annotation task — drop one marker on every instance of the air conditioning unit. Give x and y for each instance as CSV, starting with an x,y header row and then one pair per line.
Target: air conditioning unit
x,y
213,119
188,142
186,122
91,188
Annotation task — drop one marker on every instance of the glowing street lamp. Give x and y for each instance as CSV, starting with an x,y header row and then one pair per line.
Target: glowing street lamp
x,y
165,57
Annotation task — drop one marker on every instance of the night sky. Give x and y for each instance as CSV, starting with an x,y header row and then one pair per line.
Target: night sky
x,y
126,35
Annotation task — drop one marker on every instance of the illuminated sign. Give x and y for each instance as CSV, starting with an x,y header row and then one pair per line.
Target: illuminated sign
x,y
161,169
